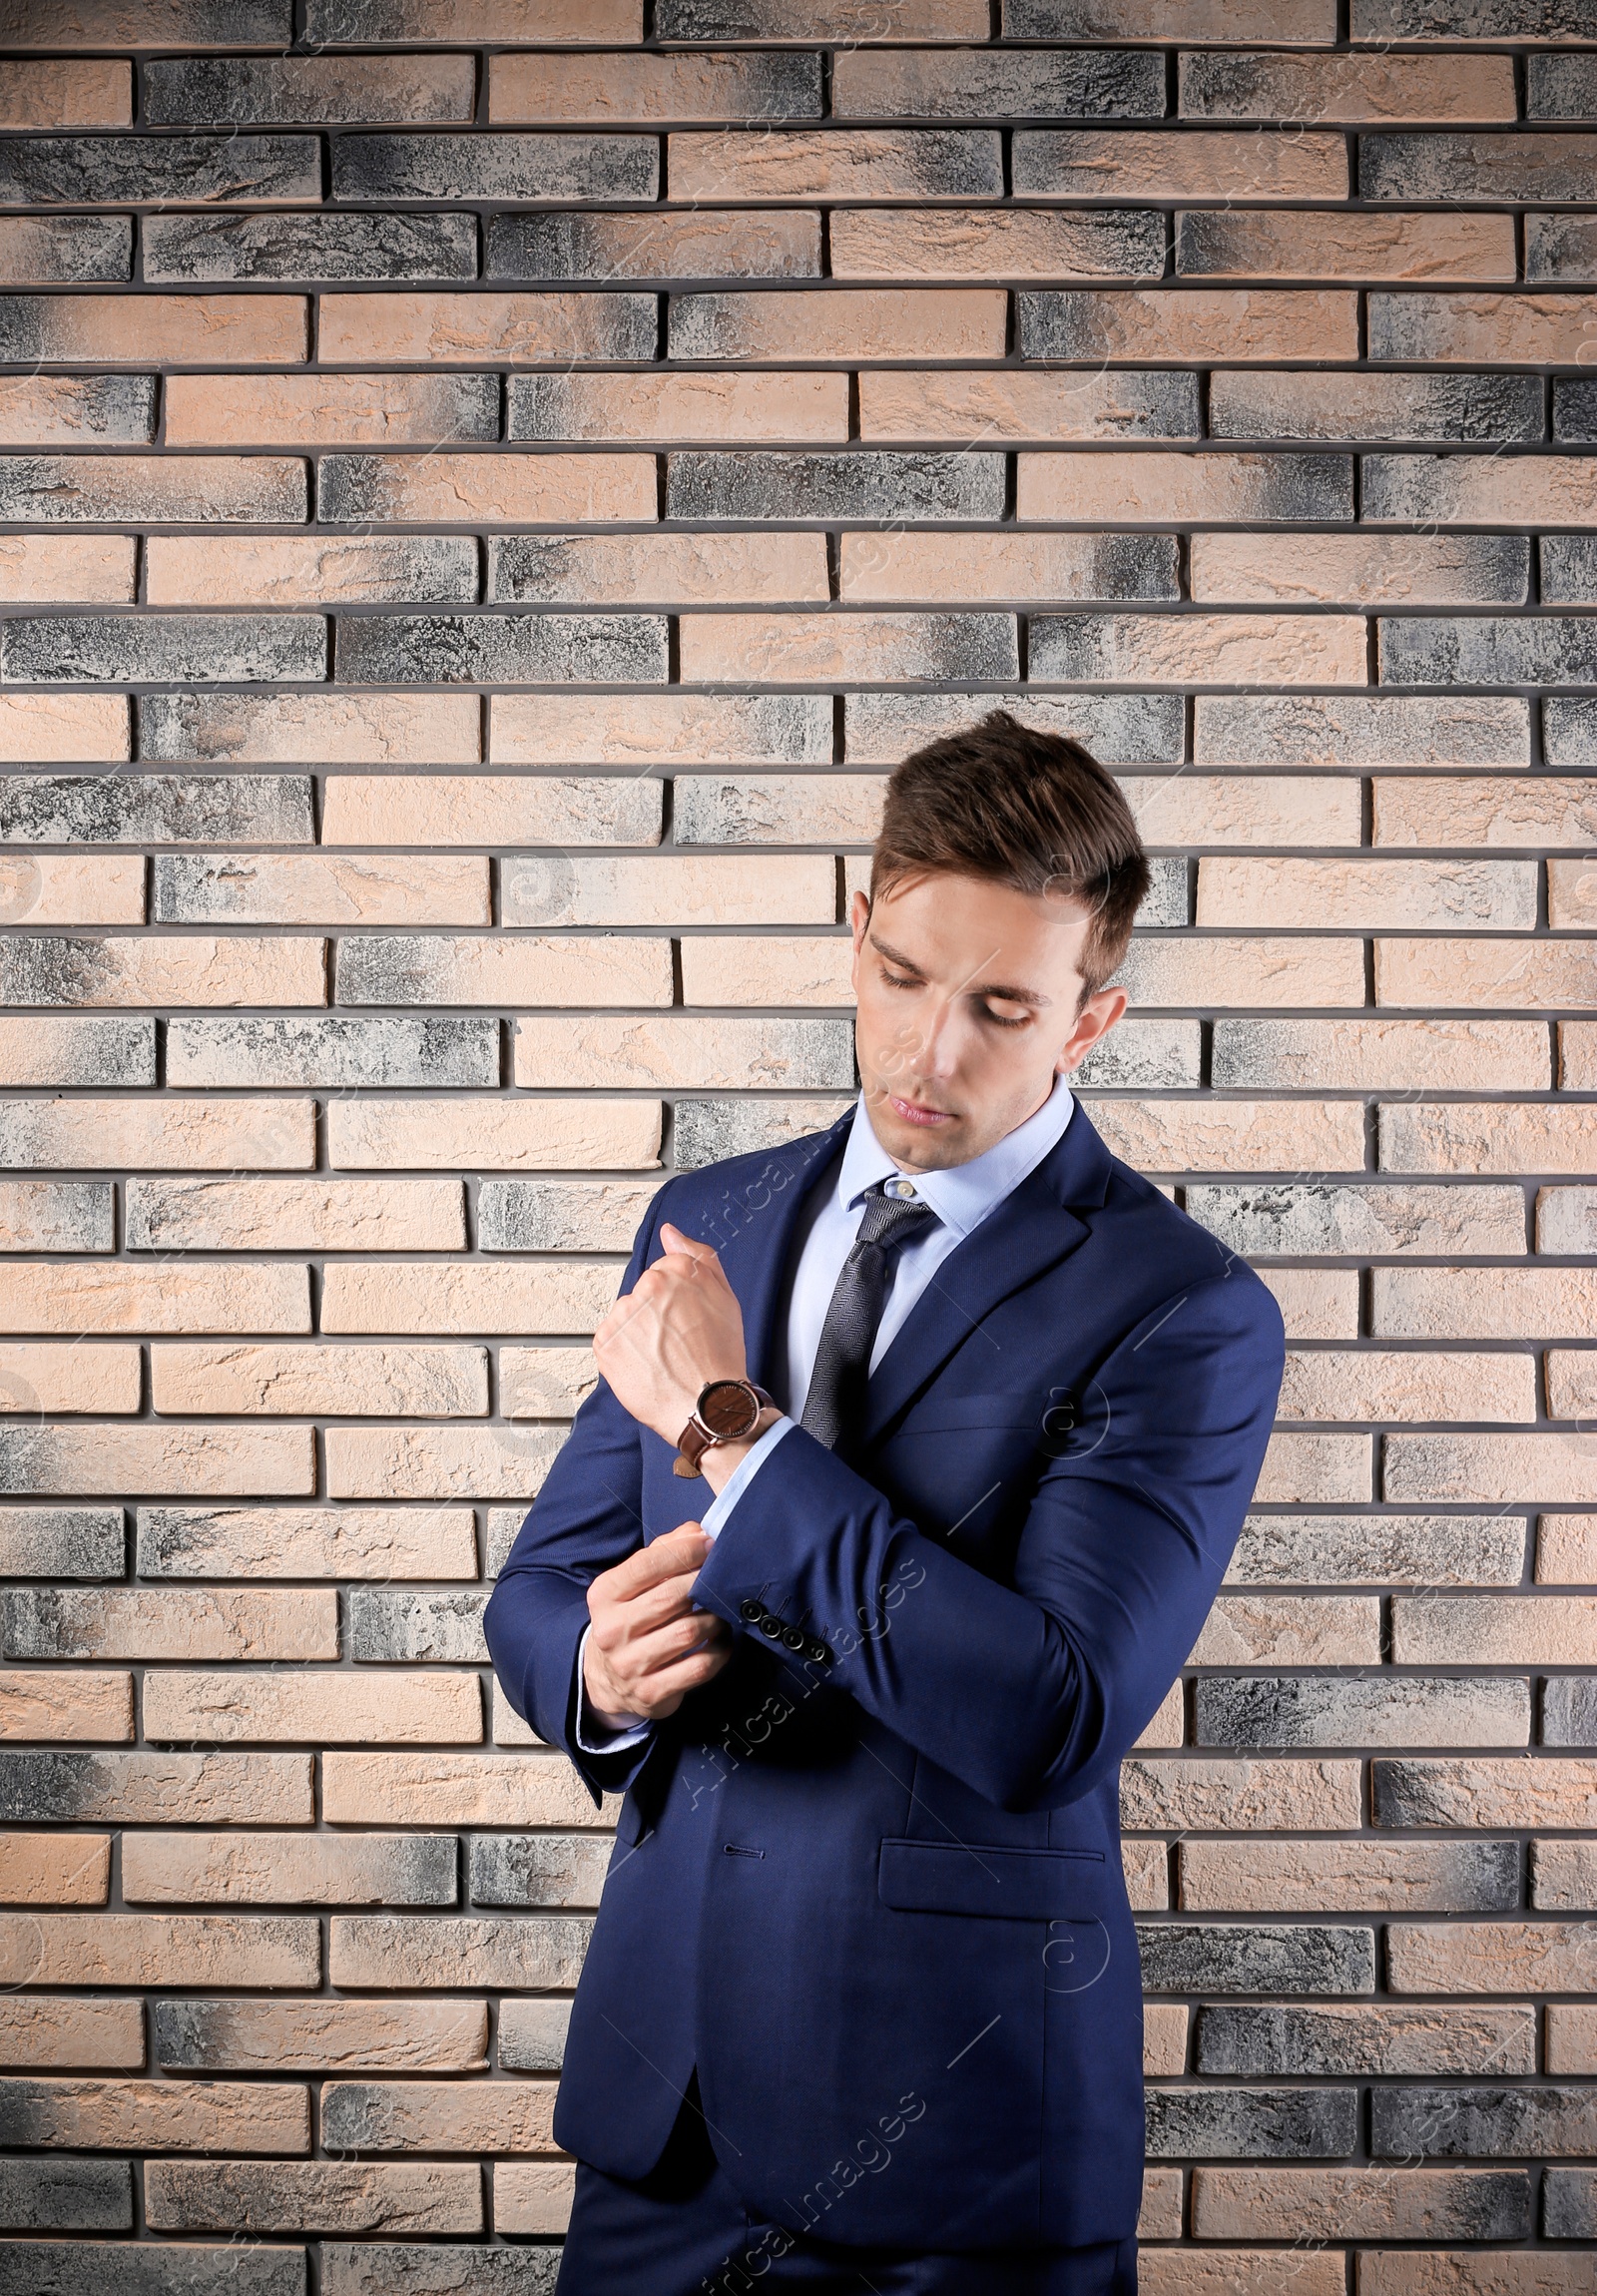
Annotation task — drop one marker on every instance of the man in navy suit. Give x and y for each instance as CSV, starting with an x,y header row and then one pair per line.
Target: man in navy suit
x,y
966,1417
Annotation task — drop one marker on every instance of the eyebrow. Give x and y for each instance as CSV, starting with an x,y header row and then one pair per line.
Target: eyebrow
x,y
986,987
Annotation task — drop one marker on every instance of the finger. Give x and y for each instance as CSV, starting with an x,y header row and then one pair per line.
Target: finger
x,y
639,1614
680,1550
667,1689
688,1247
646,1654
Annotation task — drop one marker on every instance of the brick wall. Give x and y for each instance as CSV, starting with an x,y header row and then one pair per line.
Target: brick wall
x,y
488,488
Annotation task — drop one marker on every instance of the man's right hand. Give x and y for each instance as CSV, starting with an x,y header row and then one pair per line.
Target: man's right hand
x,y
648,1646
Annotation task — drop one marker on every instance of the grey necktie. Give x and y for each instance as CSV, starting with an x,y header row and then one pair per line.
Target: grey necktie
x,y
835,1402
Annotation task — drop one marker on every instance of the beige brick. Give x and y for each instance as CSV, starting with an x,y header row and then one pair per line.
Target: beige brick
x,y
1551,1468
1571,1383
48,1705
85,1296
1315,1303
608,968
985,243
1519,1792
686,569
327,888
1375,244
1357,1877
605,90
186,329
1263,972
1571,894
1158,489
1347,570
1577,1064
186,1132
533,2196
494,1135
1163,2037
489,809
541,23
1233,1135
330,729
1484,329
155,1623
188,2116
1497,1629
717,409
1566,1549
1571,2034
1185,808
1478,809
288,570
435,1298
1486,1303
1378,86
500,2116
669,888
1198,1794
457,1790
1383,1055
67,1378
96,569
55,1869
544,1382
1377,2200
1510,1137
831,161
355,1542
247,1868
313,1709
1005,402
309,411
1290,1630
445,330
1490,1956
376,1382
145,1949
1217,650
344,2036
700,1054
47,2031
51,729
1367,894
1168,1727
789,969
804,648
971,569
70,888
843,323
1160,2216
1502,976
199,969
1490,489
639,730
1304,1470
497,1462
1393,1383
370,2198
185,1461
502,488
90,92
1182,164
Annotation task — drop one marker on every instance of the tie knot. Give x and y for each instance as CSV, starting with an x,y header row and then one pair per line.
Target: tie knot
x,y
890,1218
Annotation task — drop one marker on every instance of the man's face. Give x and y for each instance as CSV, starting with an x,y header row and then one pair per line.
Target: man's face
x,y
969,1004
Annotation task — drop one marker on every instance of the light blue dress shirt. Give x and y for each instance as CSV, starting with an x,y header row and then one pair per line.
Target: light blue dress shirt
x,y
961,1196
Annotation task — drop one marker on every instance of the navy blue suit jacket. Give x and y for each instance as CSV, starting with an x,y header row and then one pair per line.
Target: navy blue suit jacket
x,y
868,1881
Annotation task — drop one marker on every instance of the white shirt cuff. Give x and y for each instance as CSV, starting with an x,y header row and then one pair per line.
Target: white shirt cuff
x,y
715,1513
595,1736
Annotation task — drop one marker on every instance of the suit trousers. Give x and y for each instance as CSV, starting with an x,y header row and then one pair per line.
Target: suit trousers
x,y
683,2230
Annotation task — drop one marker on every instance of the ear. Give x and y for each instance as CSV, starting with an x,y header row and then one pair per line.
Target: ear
x,y
1096,1018
858,920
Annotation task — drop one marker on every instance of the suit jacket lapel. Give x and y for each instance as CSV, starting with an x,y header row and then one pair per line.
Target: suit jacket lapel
x,y
1031,1230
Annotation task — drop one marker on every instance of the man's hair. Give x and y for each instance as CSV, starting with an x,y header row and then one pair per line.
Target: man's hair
x,y
1025,809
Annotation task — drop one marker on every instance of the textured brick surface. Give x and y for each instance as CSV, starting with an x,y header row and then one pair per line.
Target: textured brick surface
x,y
490,489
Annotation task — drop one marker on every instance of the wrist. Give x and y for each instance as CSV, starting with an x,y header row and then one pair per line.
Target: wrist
x,y
721,1462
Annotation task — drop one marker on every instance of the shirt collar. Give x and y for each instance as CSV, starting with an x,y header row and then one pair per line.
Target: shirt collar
x,y
964,1194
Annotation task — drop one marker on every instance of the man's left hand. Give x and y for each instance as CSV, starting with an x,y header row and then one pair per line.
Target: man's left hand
x,y
679,1327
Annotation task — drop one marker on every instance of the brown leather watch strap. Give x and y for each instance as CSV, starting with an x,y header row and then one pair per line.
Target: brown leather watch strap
x,y
696,1438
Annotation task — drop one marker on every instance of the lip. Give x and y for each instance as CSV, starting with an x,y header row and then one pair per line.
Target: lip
x,y
914,1115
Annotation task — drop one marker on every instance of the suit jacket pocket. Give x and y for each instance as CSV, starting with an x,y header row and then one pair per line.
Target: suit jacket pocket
x,y
1013,1884
941,1414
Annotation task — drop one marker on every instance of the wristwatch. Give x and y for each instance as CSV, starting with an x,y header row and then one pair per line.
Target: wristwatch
x,y
727,1411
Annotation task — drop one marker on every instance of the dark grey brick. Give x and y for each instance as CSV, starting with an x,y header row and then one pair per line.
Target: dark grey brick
x,y
373,2268
1485,650
79,1215
1261,2039
1414,1792
666,245
1251,2124
1054,323
539,1869
1145,1056
101,489
361,489
333,1049
390,1624
1561,87
63,2195
77,648
1168,896
1477,166
235,2267
323,246
29,24
62,1542
1250,402
1569,2204
532,2035
155,808
1470,20
1443,2123
501,649
295,91
561,1215
1119,729
1257,1956
1379,1551
865,483
1346,1710
59,969
1561,248
80,410
1569,569
1569,1710
496,167
1569,731
720,20
154,171
396,968
71,250
1576,412
703,1131
987,84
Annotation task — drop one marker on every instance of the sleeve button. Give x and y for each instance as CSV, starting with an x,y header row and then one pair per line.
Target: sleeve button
x,y
751,1610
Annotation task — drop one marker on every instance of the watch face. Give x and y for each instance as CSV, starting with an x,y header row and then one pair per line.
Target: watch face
x,y
726,1408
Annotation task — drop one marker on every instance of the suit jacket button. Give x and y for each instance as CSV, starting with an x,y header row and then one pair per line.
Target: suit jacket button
x,y
817,1650
770,1625
793,1638
751,1610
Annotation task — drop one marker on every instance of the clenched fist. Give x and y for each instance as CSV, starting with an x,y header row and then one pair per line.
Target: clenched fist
x,y
648,1646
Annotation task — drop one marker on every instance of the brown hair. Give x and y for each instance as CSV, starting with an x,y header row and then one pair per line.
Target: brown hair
x,y
1025,808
